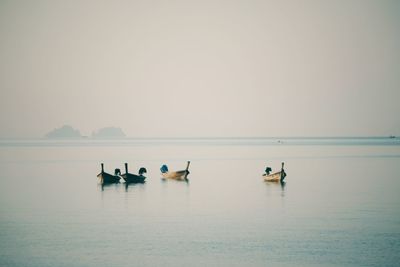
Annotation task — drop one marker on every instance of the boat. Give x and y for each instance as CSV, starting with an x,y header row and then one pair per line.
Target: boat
x,y
177,175
106,178
133,178
274,177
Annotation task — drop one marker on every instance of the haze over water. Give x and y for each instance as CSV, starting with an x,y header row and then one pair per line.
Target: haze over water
x,y
167,72
338,207
187,68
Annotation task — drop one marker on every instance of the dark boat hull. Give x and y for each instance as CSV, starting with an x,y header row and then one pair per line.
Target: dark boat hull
x,y
133,178
107,178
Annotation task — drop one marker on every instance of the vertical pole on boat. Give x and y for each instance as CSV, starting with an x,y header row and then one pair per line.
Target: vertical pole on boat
x,y
102,167
187,169
126,167
283,174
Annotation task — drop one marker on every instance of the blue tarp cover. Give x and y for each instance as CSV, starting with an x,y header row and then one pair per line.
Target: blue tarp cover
x,y
164,169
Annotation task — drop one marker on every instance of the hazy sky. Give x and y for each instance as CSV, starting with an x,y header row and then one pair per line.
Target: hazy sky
x,y
200,68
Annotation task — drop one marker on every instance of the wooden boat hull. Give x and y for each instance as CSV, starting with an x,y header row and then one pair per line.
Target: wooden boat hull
x,y
275,177
106,178
178,175
133,178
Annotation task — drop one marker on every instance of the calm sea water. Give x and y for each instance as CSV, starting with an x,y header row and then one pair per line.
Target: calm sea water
x,y
340,205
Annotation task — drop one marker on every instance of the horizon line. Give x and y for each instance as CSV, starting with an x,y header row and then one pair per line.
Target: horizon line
x,y
204,137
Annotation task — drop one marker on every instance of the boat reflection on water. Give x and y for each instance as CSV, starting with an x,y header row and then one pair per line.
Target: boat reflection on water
x,y
133,185
108,184
283,184
116,185
182,181
276,184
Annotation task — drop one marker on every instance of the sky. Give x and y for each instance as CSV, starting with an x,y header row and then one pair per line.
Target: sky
x,y
200,68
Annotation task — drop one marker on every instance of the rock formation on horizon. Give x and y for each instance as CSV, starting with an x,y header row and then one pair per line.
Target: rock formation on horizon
x,y
65,131
109,132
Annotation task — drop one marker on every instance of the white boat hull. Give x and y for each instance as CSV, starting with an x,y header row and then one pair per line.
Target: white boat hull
x,y
179,175
275,177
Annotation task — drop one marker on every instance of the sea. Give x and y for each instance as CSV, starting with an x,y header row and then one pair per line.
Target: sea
x,y
339,204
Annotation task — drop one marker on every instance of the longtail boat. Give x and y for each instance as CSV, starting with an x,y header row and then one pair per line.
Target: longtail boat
x,y
133,178
176,175
106,178
274,177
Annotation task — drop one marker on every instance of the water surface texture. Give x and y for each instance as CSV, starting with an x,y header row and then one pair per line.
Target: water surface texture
x,y
340,205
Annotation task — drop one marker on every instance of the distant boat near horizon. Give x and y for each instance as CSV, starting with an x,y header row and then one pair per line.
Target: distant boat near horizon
x,y
176,175
106,178
133,178
274,177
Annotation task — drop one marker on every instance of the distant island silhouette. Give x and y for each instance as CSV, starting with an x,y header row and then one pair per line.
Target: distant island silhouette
x,y
65,131
109,132
68,132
